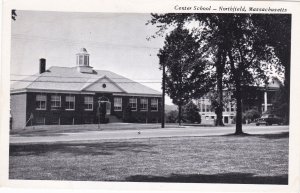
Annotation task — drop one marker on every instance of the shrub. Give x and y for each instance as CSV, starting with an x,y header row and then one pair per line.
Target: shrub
x,y
191,113
127,116
251,115
172,116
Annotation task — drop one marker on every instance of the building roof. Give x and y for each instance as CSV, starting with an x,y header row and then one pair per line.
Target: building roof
x,y
68,79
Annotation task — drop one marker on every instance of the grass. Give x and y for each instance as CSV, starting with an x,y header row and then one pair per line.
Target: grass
x,y
258,159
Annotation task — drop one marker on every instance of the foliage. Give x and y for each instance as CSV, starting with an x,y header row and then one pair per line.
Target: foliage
x,y
280,39
172,116
243,49
185,71
191,113
127,115
281,105
214,98
251,115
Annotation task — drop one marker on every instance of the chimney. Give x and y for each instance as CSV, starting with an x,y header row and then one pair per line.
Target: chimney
x,y
42,65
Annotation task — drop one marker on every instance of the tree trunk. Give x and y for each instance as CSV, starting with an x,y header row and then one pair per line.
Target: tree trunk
x,y
219,109
179,114
220,68
238,95
238,126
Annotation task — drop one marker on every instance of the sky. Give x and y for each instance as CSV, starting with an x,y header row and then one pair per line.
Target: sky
x,y
115,41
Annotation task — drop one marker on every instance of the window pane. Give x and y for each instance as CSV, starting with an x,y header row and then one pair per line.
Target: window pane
x,y
144,104
41,102
117,104
86,60
70,98
41,97
70,102
154,104
55,101
88,102
133,104
80,60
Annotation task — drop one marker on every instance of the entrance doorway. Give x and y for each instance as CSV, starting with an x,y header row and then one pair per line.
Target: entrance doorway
x,y
104,103
108,108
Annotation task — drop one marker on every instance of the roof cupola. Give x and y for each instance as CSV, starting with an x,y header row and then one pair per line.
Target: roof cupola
x,y
83,61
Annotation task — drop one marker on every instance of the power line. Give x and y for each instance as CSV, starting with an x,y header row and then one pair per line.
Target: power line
x,y
74,42
22,75
79,81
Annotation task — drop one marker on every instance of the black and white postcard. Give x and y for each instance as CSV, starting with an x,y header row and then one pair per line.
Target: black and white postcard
x,y
189,96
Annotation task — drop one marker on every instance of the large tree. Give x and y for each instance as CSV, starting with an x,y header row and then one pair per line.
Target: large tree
x,y
186,74
210,34
278,35
236,43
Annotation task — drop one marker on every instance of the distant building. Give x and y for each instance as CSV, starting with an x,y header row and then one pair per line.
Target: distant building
x,y
258,98
74,95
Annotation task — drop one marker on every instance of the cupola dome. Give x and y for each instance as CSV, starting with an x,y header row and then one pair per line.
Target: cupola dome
x,y
83,61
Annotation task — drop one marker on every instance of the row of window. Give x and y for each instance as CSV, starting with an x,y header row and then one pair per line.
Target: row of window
x,y
208,108
41,100
82,60
143,104
214,117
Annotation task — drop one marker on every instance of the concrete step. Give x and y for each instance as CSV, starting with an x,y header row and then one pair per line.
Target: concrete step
x,y
114,119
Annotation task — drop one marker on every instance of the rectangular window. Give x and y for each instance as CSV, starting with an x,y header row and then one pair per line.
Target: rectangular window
x,y
232,107
227,108
86,62
154,104
88,103
55,102
70,102
133,104
118,104
80,60
144,104
203,107
41,101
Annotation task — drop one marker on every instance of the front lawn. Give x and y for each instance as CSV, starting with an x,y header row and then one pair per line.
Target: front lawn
x,y
258,159
49,130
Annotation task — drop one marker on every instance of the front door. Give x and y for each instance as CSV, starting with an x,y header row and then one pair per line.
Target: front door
x,y
108,108
105,105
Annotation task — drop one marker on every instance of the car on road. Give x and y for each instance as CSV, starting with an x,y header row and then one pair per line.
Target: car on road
x,y
269,119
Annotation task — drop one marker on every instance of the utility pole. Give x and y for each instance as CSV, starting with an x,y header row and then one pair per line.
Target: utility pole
x,y
98,113
163,94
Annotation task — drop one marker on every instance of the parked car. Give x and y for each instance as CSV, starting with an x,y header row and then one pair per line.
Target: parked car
x,y
269,119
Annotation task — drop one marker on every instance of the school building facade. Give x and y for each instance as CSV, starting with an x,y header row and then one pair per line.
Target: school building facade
x,y
76,95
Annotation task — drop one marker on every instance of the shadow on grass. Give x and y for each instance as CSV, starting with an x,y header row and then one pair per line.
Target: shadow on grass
x,y
104,148
275,136
230,178
266,136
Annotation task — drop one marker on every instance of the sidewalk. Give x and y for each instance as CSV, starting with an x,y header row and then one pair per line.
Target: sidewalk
x,y
187,131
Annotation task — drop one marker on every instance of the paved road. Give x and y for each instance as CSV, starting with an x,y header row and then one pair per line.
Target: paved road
x,y
147,133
